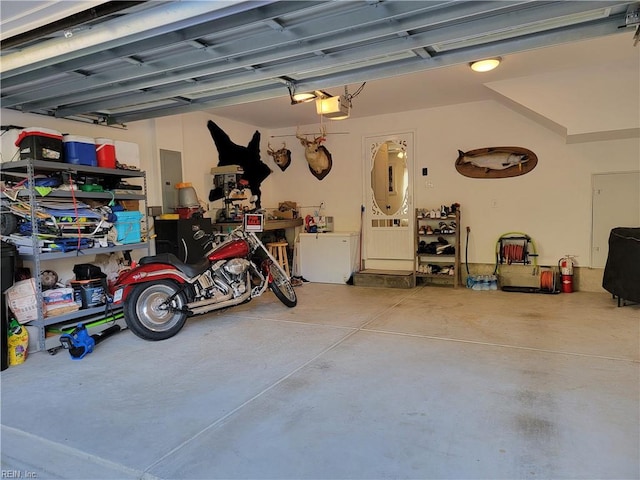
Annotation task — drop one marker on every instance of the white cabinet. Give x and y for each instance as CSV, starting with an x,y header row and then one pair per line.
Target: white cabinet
x,y
330,257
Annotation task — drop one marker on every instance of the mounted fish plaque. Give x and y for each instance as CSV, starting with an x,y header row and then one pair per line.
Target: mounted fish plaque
x,y
496,162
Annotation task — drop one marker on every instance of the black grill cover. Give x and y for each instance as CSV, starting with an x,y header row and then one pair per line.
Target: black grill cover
x,y
622,272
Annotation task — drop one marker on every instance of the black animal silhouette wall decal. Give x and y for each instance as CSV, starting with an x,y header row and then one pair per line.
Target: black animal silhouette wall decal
x,y
248,158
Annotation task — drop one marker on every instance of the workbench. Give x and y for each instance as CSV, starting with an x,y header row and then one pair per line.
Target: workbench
x,y
268,225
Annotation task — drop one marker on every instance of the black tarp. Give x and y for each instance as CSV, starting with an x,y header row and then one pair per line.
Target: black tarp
x,y
622,271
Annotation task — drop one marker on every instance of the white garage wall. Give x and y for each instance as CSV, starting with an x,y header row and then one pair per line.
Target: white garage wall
x,y
552,203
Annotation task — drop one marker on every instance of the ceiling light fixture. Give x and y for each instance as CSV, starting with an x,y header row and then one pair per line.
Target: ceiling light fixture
x,y
485,65
304,97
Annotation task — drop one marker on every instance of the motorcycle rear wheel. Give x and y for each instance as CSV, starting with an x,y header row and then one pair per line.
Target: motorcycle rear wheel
x,y
281,286
146,314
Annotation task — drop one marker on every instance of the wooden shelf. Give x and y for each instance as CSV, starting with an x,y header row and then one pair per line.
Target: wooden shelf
x,y
423,258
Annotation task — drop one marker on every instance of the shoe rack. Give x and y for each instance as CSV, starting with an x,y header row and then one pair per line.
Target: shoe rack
x,y
438,245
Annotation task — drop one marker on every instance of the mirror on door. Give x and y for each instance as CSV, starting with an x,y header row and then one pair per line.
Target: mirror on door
x,y
390,181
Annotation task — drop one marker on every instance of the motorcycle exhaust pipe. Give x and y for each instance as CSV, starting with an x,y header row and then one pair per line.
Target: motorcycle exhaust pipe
x,y
205,306
210,301
219,305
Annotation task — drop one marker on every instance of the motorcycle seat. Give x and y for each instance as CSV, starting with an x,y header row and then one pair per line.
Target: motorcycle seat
x,y
190,270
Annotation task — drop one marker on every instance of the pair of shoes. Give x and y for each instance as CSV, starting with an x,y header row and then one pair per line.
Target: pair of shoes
x,y
446,229
453,209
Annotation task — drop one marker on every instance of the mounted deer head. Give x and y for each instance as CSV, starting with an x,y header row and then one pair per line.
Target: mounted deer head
x,y
318,157
281,157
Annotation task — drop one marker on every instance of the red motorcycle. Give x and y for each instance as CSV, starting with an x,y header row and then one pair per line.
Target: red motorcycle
x,y
161,291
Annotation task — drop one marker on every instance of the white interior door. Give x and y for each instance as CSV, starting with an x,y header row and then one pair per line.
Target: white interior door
x,y
388,225
616,203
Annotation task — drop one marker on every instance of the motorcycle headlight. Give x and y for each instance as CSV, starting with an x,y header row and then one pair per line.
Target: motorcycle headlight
x,y
237,266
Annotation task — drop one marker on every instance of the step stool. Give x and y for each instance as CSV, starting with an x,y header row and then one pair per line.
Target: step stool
x,y
279,252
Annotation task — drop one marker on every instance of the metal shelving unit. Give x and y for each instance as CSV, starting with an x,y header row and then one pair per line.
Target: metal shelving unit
x,y
28,169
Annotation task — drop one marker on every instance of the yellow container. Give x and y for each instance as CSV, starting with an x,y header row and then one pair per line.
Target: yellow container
x,y
18,343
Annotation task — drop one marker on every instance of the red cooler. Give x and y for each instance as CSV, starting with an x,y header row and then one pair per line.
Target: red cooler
x,y
106,152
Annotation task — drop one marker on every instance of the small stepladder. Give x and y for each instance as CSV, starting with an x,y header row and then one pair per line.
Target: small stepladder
x,y
279,252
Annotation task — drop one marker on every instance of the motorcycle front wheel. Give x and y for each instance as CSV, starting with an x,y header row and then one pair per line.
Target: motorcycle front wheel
x,y
149,316
281,286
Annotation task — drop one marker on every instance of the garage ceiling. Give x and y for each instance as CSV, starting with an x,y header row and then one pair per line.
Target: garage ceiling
x,y
119,62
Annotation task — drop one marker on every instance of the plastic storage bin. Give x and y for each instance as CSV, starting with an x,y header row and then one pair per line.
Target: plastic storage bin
x,y
128,227
79,150
88,293
106,152
40,144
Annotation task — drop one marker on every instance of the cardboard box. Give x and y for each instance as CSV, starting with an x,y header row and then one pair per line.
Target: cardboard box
x,y
21,298
288,215
132,205
286,210
58,301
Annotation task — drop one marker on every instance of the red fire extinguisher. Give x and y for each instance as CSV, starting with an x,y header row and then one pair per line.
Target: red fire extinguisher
x,y
565,264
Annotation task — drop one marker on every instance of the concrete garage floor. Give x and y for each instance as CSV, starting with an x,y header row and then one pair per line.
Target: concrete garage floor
x,y
355,382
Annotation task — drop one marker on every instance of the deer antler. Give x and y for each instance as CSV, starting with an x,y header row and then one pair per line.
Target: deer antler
x,y
303,139
323,135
